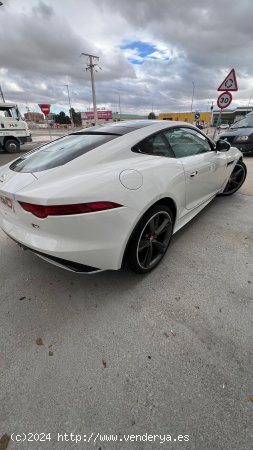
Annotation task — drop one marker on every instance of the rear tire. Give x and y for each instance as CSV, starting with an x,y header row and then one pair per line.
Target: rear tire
x,y
12,146
150,239
236,179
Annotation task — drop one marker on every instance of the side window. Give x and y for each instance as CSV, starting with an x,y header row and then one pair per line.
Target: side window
x,y
187,142
156,145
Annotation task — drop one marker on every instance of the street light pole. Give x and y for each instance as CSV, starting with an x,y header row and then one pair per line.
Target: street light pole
x,y
91,67
193,89
70,108
250,99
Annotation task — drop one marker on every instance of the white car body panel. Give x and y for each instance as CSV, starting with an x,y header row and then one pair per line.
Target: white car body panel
x,y
111,172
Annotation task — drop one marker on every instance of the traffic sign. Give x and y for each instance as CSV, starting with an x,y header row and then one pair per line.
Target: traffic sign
x,y
230,83
197,116
45,108
224,100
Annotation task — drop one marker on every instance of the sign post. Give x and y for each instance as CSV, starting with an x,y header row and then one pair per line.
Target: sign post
x,y
224,99
45,108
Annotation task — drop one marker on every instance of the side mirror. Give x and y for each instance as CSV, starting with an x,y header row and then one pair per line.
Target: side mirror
x,y
222,146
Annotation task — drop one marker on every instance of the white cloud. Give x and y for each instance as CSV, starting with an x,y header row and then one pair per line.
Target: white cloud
x,y
41,52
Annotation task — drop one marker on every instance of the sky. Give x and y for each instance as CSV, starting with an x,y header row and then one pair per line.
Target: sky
x,y
150,53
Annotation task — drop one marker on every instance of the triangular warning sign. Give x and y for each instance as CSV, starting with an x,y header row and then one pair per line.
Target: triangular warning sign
x,y
230,83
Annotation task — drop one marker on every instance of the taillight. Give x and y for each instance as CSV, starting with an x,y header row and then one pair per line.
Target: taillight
x,y
42,211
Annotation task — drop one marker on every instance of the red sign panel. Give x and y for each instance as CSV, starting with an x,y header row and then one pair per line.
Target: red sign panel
x,y
89,115
224,100
45,108
230,82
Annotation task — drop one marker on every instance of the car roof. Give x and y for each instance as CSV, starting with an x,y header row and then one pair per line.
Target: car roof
x,y
121,128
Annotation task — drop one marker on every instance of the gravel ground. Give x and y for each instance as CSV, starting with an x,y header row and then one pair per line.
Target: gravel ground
x,y
169,353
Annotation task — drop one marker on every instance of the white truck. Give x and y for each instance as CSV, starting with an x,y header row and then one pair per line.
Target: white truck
x,y
13,129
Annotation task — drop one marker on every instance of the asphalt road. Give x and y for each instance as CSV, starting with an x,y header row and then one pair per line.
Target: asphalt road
x,y
169,353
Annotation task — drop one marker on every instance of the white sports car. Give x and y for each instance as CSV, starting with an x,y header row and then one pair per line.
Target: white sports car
x,y
93,199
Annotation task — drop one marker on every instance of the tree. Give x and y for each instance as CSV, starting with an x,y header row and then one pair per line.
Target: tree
x,y
62,118
76,116
152,116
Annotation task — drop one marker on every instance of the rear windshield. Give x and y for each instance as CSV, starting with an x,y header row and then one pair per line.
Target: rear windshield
x,y
60,152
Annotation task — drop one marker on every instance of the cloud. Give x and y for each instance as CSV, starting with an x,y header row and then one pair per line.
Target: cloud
x,y
43,9
149,52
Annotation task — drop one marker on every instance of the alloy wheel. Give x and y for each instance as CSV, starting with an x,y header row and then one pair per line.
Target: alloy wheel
x,y
154,240
236,179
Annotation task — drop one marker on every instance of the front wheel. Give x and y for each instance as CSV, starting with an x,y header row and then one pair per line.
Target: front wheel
x,y
150,239
236,179
12,146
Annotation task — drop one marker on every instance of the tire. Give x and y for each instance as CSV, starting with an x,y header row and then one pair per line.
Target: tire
x,y
236,179
146,248
12,146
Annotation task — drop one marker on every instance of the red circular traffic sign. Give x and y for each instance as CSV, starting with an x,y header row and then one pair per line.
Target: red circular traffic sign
x,y
224,100
45,108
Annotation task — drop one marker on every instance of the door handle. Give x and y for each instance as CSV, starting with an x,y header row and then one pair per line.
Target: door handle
x,y
193,174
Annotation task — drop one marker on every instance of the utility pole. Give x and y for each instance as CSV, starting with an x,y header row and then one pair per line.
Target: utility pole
x,y
91,66
2,95
119,109
193,88
211,121
70,108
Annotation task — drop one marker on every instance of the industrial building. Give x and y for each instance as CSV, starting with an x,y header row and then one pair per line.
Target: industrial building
x,y
227,116
187,117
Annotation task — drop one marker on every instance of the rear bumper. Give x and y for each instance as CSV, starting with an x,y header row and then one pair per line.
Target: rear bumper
x,y
85,243
65,264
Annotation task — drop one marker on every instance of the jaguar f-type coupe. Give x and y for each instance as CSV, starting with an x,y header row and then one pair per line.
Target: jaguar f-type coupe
x,y
96,198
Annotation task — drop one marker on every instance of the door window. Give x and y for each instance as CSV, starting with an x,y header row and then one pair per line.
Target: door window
x,y
187,142
156,145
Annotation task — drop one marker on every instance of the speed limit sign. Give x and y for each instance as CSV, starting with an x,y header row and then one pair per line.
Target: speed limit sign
x,y
224,100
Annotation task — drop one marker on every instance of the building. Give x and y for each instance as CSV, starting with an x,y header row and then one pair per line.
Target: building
x,y
107,116
187,117
117,116
227,116
34,117
231,115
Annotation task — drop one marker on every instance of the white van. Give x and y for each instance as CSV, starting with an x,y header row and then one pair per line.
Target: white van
x,y
13,130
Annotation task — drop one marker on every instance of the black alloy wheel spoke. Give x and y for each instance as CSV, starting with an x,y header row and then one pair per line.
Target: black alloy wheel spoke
x,y
162,227
159,245
148,256
238,172
144,243
152,225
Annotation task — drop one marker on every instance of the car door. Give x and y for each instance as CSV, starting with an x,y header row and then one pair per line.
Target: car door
x,y
204,168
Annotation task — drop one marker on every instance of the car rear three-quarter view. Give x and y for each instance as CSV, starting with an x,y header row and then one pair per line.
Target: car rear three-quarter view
x,y
95,198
